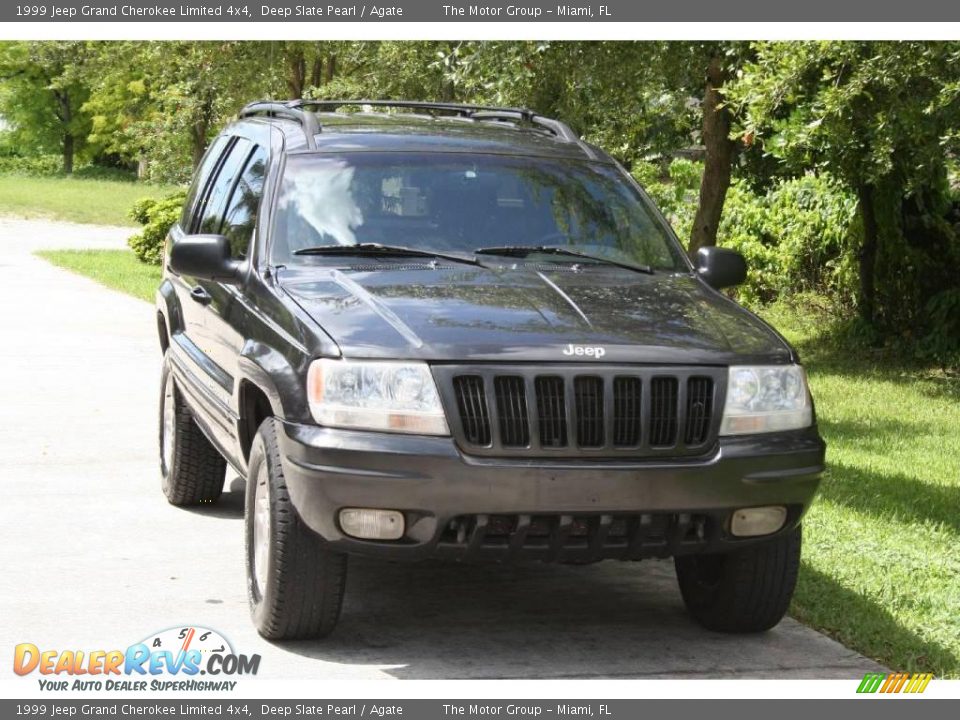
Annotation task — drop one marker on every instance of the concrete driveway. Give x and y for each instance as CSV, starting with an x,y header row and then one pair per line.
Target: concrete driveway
x,y
95,558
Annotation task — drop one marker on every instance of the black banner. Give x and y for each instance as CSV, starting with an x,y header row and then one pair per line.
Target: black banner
x,y
452,11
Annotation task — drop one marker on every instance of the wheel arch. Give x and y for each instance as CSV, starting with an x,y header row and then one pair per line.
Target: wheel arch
x,y
267,384
169,317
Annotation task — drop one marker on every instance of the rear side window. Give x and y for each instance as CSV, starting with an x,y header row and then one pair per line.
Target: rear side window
x,y
214,204
241,214
210,162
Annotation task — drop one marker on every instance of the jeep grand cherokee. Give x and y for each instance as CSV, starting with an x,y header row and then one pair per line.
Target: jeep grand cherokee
x,y
432,330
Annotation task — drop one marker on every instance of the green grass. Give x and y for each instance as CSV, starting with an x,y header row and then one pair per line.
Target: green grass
x,y
117,269
881,557
98,202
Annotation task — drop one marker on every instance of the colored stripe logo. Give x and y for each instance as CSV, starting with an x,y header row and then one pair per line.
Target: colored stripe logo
x,y
895,683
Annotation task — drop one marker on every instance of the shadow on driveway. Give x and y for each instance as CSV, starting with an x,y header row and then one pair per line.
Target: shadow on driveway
x,y
608,620
611,619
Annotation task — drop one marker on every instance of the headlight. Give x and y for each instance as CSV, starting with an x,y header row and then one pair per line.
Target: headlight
x,y
375,395
765,399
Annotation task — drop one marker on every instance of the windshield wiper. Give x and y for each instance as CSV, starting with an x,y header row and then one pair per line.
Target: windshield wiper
x,y
522,251
383,250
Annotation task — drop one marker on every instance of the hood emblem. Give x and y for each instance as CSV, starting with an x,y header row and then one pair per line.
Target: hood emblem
x,y
593,351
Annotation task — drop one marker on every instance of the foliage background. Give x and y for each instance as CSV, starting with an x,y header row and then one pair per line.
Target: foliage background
x,y
832,166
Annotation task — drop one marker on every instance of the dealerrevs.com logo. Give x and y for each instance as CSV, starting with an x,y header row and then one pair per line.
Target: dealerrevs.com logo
x,y
172,659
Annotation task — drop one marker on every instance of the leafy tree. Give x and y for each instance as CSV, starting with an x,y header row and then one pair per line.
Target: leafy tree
x,y
881,117
44,86
160,102
636,99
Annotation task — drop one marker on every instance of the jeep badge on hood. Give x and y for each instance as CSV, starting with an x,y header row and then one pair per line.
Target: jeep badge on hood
x,y
590,351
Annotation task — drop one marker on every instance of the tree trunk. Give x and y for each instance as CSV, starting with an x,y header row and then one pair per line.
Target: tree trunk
x,y
868,252
65,116
331,68
68,153
717,161
200,128
316,76
297,66
198,136
447,91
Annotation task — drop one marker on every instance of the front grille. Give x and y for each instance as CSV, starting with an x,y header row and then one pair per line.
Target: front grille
x,y
551,411
626,411
663,412
578,537
472,404
512,411
572,410
699,410
588,393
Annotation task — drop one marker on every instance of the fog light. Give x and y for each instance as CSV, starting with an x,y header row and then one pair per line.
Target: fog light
x,y
750,522
372,524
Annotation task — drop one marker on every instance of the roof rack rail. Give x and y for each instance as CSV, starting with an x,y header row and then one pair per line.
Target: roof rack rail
x,y
474,112
291,110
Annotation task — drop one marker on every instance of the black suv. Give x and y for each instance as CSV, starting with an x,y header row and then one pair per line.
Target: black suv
x,y
433,330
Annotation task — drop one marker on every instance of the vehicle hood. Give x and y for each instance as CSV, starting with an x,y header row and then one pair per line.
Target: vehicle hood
x,y
528,313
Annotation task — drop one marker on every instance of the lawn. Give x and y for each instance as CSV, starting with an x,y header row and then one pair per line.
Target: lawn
x,y
881,558
98,202
117,269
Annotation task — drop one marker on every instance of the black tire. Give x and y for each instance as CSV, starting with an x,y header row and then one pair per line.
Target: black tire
x,y
192,470
743,591
300,592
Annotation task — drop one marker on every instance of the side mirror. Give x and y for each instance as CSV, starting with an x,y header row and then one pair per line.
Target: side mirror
x,y
206,257
721,267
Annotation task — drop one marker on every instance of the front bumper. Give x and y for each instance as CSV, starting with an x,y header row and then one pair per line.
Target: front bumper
x,y
541,509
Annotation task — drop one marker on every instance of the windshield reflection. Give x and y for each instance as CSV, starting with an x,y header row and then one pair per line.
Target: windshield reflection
x,y
322,200
459,202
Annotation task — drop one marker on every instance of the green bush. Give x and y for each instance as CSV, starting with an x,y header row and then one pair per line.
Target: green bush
x,y
942,343
34,165
156,216
51,165
796,238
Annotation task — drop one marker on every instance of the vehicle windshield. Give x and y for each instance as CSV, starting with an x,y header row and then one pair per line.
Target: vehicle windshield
x,y
458,203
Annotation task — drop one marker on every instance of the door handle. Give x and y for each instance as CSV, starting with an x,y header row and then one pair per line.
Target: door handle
x,y
198,294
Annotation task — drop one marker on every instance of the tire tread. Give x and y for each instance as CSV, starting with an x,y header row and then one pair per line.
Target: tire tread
x,y
198,468
754,590
307,581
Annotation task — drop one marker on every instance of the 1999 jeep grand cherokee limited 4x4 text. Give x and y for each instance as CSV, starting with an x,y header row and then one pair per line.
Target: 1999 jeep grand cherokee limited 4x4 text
x,y
460,331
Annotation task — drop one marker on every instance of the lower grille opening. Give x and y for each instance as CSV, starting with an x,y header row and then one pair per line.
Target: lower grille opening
x,y
581,536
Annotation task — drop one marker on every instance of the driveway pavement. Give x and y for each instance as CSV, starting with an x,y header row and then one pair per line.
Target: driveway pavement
x,y
94,557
